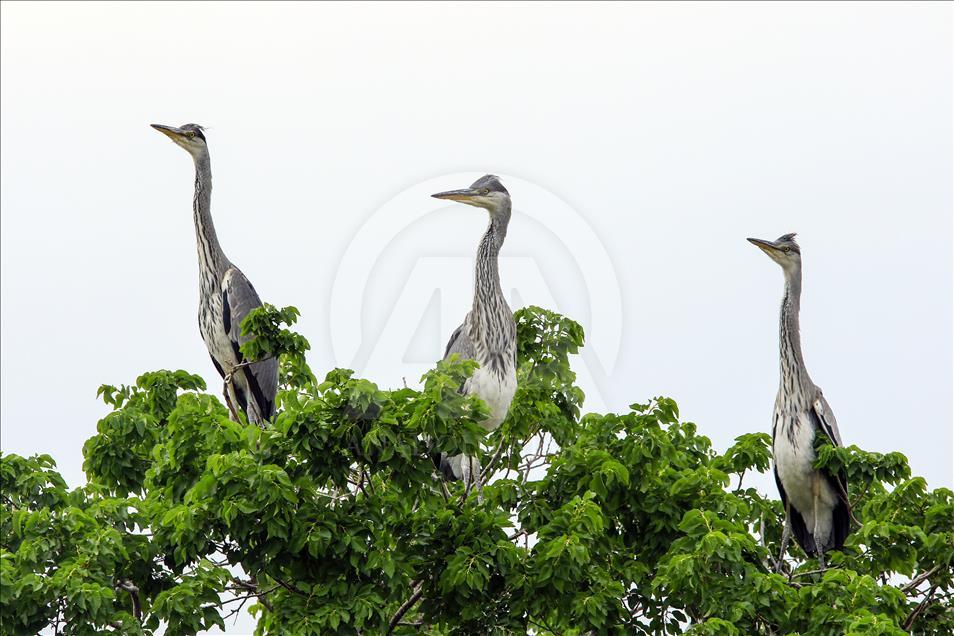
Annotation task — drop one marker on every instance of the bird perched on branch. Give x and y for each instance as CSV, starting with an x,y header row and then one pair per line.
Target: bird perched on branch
x,y
816,501
225,295
488,334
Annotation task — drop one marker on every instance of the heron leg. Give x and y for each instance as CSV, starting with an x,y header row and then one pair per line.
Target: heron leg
x,y
470,474
478,482
473,478
786,537
465,474
227,392
820,541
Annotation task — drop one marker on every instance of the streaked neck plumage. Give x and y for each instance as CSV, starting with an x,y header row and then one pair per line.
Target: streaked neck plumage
x,y
487,274
793,374
491,317
212,260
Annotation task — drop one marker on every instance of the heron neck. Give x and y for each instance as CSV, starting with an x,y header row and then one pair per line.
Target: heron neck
x,y
211,258
790,345
487,274
490,306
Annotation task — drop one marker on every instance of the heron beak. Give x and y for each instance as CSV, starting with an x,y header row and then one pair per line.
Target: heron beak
x,y
465,196
766,246
169,131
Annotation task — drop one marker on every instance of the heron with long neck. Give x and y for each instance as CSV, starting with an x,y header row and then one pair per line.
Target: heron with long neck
x,y
488,334
815,501
225,295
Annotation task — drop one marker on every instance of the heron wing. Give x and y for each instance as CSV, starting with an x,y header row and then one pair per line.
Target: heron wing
x,y
826,418
841,515
238,299
460,343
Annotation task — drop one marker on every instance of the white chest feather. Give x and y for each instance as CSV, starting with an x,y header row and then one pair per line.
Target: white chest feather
x,y
794,451
496,390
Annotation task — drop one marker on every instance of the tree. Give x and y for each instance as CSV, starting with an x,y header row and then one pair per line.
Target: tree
x,y
331,520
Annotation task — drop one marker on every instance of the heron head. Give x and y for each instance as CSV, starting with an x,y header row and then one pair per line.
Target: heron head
x,y
783,250
188,136
486,192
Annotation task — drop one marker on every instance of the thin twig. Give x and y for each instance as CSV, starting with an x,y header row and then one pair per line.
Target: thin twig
x,y
248,363
861,495
361,482
517,535
768,562
486,472
917,610
529,465
238,609
919,579
134,593
288,587
809,573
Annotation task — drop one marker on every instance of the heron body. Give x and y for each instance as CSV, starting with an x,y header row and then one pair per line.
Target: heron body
x,y
815,500
488,334
496,389
225,295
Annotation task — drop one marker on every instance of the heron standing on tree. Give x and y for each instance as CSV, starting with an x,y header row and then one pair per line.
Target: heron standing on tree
x,y
815,501
488,334
225,295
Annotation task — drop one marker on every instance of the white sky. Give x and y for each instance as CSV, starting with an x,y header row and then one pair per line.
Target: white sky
x,y
643,143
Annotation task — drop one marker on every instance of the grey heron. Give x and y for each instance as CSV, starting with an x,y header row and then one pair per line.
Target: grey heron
x,y
225,295
815,501
488,334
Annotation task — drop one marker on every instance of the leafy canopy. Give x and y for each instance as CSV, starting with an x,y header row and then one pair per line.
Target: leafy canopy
x,y
331,520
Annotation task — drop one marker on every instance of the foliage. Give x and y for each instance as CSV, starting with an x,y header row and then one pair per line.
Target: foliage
x,y
331,519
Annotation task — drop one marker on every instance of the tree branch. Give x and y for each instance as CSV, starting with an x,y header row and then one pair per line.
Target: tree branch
x,y
408,604
915,582
487,471
247,363
127,585
810,572
288,587
913,616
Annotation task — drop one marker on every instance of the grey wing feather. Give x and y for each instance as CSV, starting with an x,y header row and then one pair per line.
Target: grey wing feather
x,y
827,418
841,515
460,344
239,298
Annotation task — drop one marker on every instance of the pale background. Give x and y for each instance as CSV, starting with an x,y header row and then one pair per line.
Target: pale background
x,y
671,132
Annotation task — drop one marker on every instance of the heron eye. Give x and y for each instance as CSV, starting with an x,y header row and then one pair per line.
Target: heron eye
x,y
786,249
192,134
485,191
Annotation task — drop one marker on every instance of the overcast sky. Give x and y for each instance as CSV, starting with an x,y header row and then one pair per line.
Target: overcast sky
x,y
642,143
